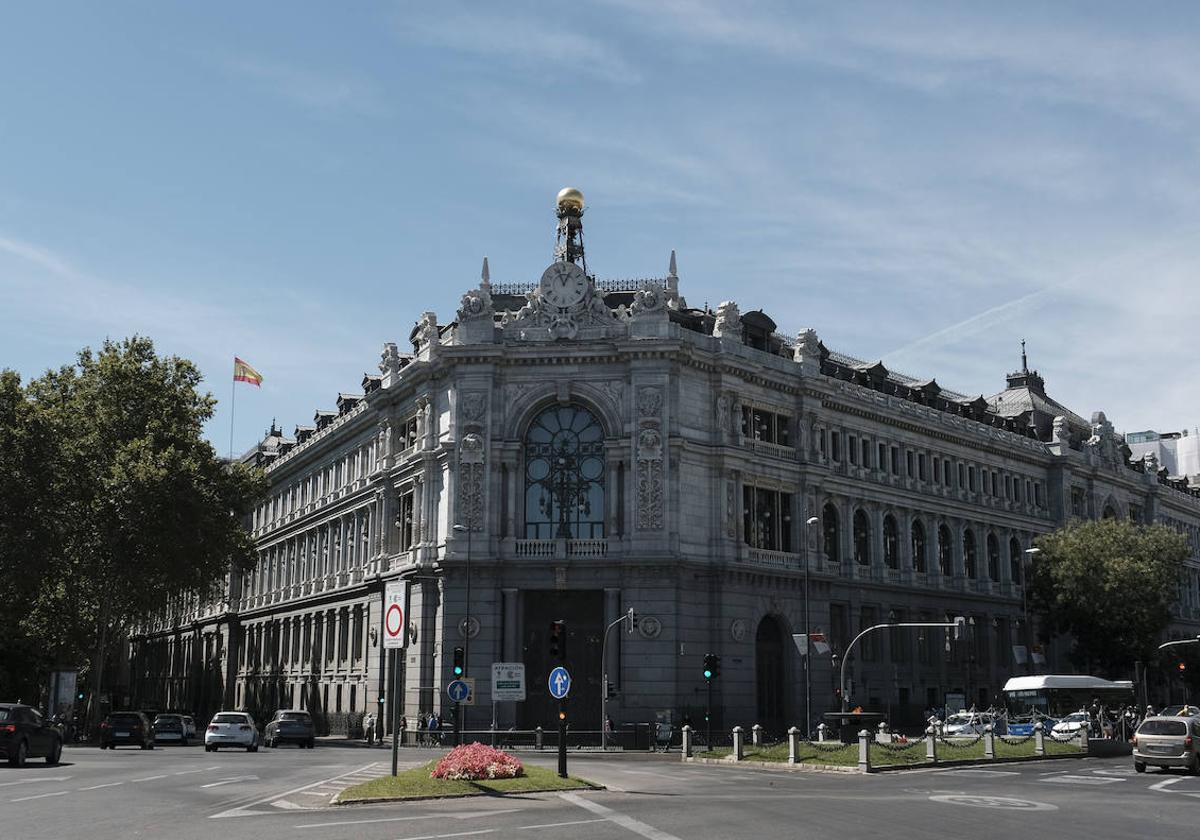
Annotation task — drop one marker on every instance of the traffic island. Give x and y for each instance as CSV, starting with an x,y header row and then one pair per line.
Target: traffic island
x,y
469,770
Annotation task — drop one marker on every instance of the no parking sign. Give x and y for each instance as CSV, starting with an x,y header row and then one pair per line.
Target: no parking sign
x,y
395,615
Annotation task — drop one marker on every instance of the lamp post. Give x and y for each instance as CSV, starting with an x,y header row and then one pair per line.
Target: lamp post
x,y
810,522
1030,553
466,625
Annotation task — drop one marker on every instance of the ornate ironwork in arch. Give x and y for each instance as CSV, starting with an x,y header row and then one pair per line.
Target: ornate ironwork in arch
x,y
564,475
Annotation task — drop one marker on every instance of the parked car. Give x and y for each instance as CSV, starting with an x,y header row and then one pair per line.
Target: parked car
x,y
290,726
1167,742
231,729
1179,711
170,728
24,733
189,726
126,729
1072,723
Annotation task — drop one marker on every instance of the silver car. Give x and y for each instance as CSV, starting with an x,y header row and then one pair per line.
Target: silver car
x,y
1167,742
231,729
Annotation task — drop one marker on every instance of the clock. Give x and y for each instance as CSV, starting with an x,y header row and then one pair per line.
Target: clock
x,y
563,284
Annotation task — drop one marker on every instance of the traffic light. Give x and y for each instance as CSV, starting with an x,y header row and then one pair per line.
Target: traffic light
x,y
459,659
712,666
1182,667
558,641
382,699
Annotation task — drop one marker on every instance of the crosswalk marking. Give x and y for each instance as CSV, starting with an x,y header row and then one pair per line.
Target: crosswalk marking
x,y
1083,780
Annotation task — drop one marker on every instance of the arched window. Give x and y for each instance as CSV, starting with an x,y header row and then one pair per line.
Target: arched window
x,y
918,547
1109,512
1015,556
830,530
862,539
891,542
945,552
993,555
564,475
970,564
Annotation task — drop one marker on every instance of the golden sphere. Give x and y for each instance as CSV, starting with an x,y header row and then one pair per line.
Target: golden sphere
x,y
569,197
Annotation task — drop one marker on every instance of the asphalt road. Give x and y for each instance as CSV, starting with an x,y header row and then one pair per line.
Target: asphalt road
x,y
185,793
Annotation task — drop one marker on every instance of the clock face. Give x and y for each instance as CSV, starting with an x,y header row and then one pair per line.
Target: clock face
x,y
564,284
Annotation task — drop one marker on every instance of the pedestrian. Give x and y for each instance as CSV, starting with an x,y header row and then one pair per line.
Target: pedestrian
x,y
403,727
369,728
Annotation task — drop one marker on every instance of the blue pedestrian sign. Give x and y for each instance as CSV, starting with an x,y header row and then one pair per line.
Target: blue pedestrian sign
x,y
458,691
559,683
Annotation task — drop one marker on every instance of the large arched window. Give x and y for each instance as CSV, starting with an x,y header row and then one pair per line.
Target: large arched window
x,y
564,475
831,532
970,564
862,539
993,555
918,547
1015,556
891,543
945,552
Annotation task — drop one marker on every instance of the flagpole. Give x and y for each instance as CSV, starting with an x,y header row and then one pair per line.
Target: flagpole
x,y
232,407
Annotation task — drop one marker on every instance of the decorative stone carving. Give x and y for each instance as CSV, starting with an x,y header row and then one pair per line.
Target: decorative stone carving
x,y
807,351
723,408
648,300
427,330
739,630
476,303
1150,463
649,402
538,320
470,480
614,388
473,405
650,627
1104,441
1061,433
730,507
729,321
649,456
389,360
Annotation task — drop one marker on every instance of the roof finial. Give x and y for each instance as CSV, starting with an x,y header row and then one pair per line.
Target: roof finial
x,y
671,272
485,276
1024,361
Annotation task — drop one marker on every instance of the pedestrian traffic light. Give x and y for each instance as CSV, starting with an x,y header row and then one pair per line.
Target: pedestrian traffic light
x,y
382,699
712,666
558,641
459,659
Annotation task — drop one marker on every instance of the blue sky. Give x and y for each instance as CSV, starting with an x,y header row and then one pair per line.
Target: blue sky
x,y
295,183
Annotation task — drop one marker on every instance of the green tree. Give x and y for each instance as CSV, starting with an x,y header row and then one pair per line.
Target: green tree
x,y
143,508
1110,585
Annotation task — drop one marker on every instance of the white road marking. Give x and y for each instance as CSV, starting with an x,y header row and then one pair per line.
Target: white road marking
x,y
1122,773
97,787
456,834
1084,780
186,772
1165,783
39,796
149,778
241,810
458,816
986,773
228,781
37,779
558,825
636,826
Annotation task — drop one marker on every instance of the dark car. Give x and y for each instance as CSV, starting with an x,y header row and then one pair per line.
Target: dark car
x,y
24,733
126,729
290,726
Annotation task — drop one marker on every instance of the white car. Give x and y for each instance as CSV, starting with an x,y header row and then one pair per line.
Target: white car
x,y
1072,723
231,729
969,724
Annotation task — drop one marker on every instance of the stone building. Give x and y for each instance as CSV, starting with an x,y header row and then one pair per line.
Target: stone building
x,y
581,447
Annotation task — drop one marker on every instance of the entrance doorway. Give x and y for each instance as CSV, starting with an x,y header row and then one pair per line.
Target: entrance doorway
x,y
583,611
768,668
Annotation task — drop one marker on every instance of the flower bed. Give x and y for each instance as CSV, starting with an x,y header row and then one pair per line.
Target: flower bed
x,y
472,762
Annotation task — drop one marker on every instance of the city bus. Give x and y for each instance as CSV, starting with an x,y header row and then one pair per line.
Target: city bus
x,y
1048,697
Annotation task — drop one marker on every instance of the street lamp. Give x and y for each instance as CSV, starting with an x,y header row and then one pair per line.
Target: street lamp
x,y
810,522
1031,553
466,625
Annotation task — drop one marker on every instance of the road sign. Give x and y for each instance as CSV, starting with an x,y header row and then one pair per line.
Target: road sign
x,y
559,683
395,615
458,691
508,681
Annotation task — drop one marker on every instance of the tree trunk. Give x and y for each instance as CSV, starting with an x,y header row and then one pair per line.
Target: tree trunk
x,y
98,669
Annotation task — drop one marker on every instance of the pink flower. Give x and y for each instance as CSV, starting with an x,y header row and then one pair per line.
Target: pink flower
x,y
477,761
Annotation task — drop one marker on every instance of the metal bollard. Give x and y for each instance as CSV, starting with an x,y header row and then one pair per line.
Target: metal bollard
x,y
1083,738
1039,739
864,751
793,746
687,742
931,745
822,733
756,735
989,742
738,743
537,738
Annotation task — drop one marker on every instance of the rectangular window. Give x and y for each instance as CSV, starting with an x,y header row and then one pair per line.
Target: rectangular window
x,y
821,439
962,472
766,518
971,478
852,449
881,461
767,426
937,472
407,432
404,519
946,472
839,627
921,466
1037,494
835,446
908,463
866,453
895,460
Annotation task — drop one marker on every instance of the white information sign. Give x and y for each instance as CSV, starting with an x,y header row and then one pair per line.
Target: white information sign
x,y
508,681
395,615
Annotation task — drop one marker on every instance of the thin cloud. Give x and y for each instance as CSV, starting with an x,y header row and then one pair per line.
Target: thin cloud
x,y
315,90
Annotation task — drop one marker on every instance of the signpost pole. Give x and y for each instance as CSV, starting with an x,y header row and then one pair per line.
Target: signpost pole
x,y
708,718
458,724
562,739
395,698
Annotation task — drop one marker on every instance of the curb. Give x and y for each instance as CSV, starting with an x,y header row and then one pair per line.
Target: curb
x,y
886,768
587,786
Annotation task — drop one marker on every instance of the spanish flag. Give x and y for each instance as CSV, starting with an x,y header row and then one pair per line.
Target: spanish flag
x,y
242,372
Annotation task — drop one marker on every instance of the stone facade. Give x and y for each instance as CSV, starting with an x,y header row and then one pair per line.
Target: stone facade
x,y
713,442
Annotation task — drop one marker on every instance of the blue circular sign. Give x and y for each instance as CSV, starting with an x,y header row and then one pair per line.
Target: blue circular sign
x,y
458,691
559,683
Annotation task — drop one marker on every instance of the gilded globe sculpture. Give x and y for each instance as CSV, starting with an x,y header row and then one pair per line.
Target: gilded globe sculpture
x,y
569,198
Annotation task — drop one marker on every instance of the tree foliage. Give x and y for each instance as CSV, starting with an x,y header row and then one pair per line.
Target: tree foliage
x,y
131,506
1110,585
